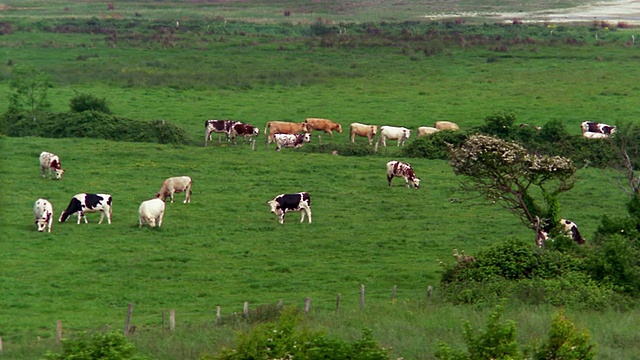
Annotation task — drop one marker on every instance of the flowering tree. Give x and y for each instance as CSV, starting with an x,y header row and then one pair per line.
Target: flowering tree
x,y
506,173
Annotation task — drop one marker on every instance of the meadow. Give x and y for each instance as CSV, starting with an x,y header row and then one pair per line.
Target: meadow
x,y
225,247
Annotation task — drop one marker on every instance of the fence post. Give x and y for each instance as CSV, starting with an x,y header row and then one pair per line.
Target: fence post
x,y
280,304
1,345
393,295
429,291
58,331
128,321
218,316
307,305
246,309
361,296
172,319
338,302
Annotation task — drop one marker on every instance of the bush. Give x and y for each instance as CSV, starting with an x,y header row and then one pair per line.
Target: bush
x,y
349,149
615,262
565,342
434,146
88,102
109,346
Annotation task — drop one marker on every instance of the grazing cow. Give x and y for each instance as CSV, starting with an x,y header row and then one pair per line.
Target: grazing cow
x,y
283,127
323,124
88,203
173,185
291,140
403,170
568,228
284,203
50,162
246,131
368,131
393,133
446,125
427,130
151,212
43,213
218,126
596,127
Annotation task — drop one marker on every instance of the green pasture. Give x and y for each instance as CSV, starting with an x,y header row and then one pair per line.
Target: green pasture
x,y
225,247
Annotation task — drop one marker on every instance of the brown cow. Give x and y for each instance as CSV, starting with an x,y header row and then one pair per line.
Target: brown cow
x,y
283,127
446,125
323,124
368,131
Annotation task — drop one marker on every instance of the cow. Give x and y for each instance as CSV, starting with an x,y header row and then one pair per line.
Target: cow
x,y
393,133
246,131
291,140
284,203
151,212
368,131
323,124
88,203
283,127
568,228
427,130
598,128
404,170
594,135
173,185
446,125
50,162
218,126
43,214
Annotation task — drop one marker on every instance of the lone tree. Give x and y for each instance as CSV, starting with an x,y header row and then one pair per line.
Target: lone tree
x,y
626,141
29,87
506,173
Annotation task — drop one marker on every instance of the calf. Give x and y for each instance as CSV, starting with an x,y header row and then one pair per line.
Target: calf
x,y
403,170
284,203
173,185
596,127
368,131
151,212
291,140
50,162
283,127
246,131
393,133
88,203
218,126
43,214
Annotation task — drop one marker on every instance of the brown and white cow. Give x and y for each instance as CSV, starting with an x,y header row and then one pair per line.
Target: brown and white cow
x,y
427,130
404,170
446,125
325,125
217,126
176,184
368,131
283,127
88,203
43,214
50,162
285,203
596,130
151,212
246,131
291,140
392,133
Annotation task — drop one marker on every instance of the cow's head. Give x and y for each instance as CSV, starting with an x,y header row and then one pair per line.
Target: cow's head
x,y
306,137
374,129
59,173
64,216
416,182
43,221
256,131
274,207
305,127
339,128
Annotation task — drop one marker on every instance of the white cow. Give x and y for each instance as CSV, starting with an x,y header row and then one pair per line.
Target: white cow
x,y
43,214
50,162
392,133
151,212
176,184
427,130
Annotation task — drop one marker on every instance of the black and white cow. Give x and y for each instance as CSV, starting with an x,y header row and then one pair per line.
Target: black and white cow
x,y
43,214
88,203
50,162
404,170
291,140
596,130
568,228
246,131
285,203
217,126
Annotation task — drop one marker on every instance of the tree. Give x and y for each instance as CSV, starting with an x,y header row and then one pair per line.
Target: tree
x,y
627,143
30,87
506,173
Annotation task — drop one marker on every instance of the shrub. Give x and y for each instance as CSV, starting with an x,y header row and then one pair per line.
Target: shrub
x,y
434,146
109,346
349,149
565,342
615,262
88,102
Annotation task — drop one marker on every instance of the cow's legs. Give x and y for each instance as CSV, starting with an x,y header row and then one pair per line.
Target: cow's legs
x,y
281,218
389,178
101,217
160,218
308,211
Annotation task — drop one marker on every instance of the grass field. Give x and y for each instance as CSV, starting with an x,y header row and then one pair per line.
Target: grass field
x,y
225,247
